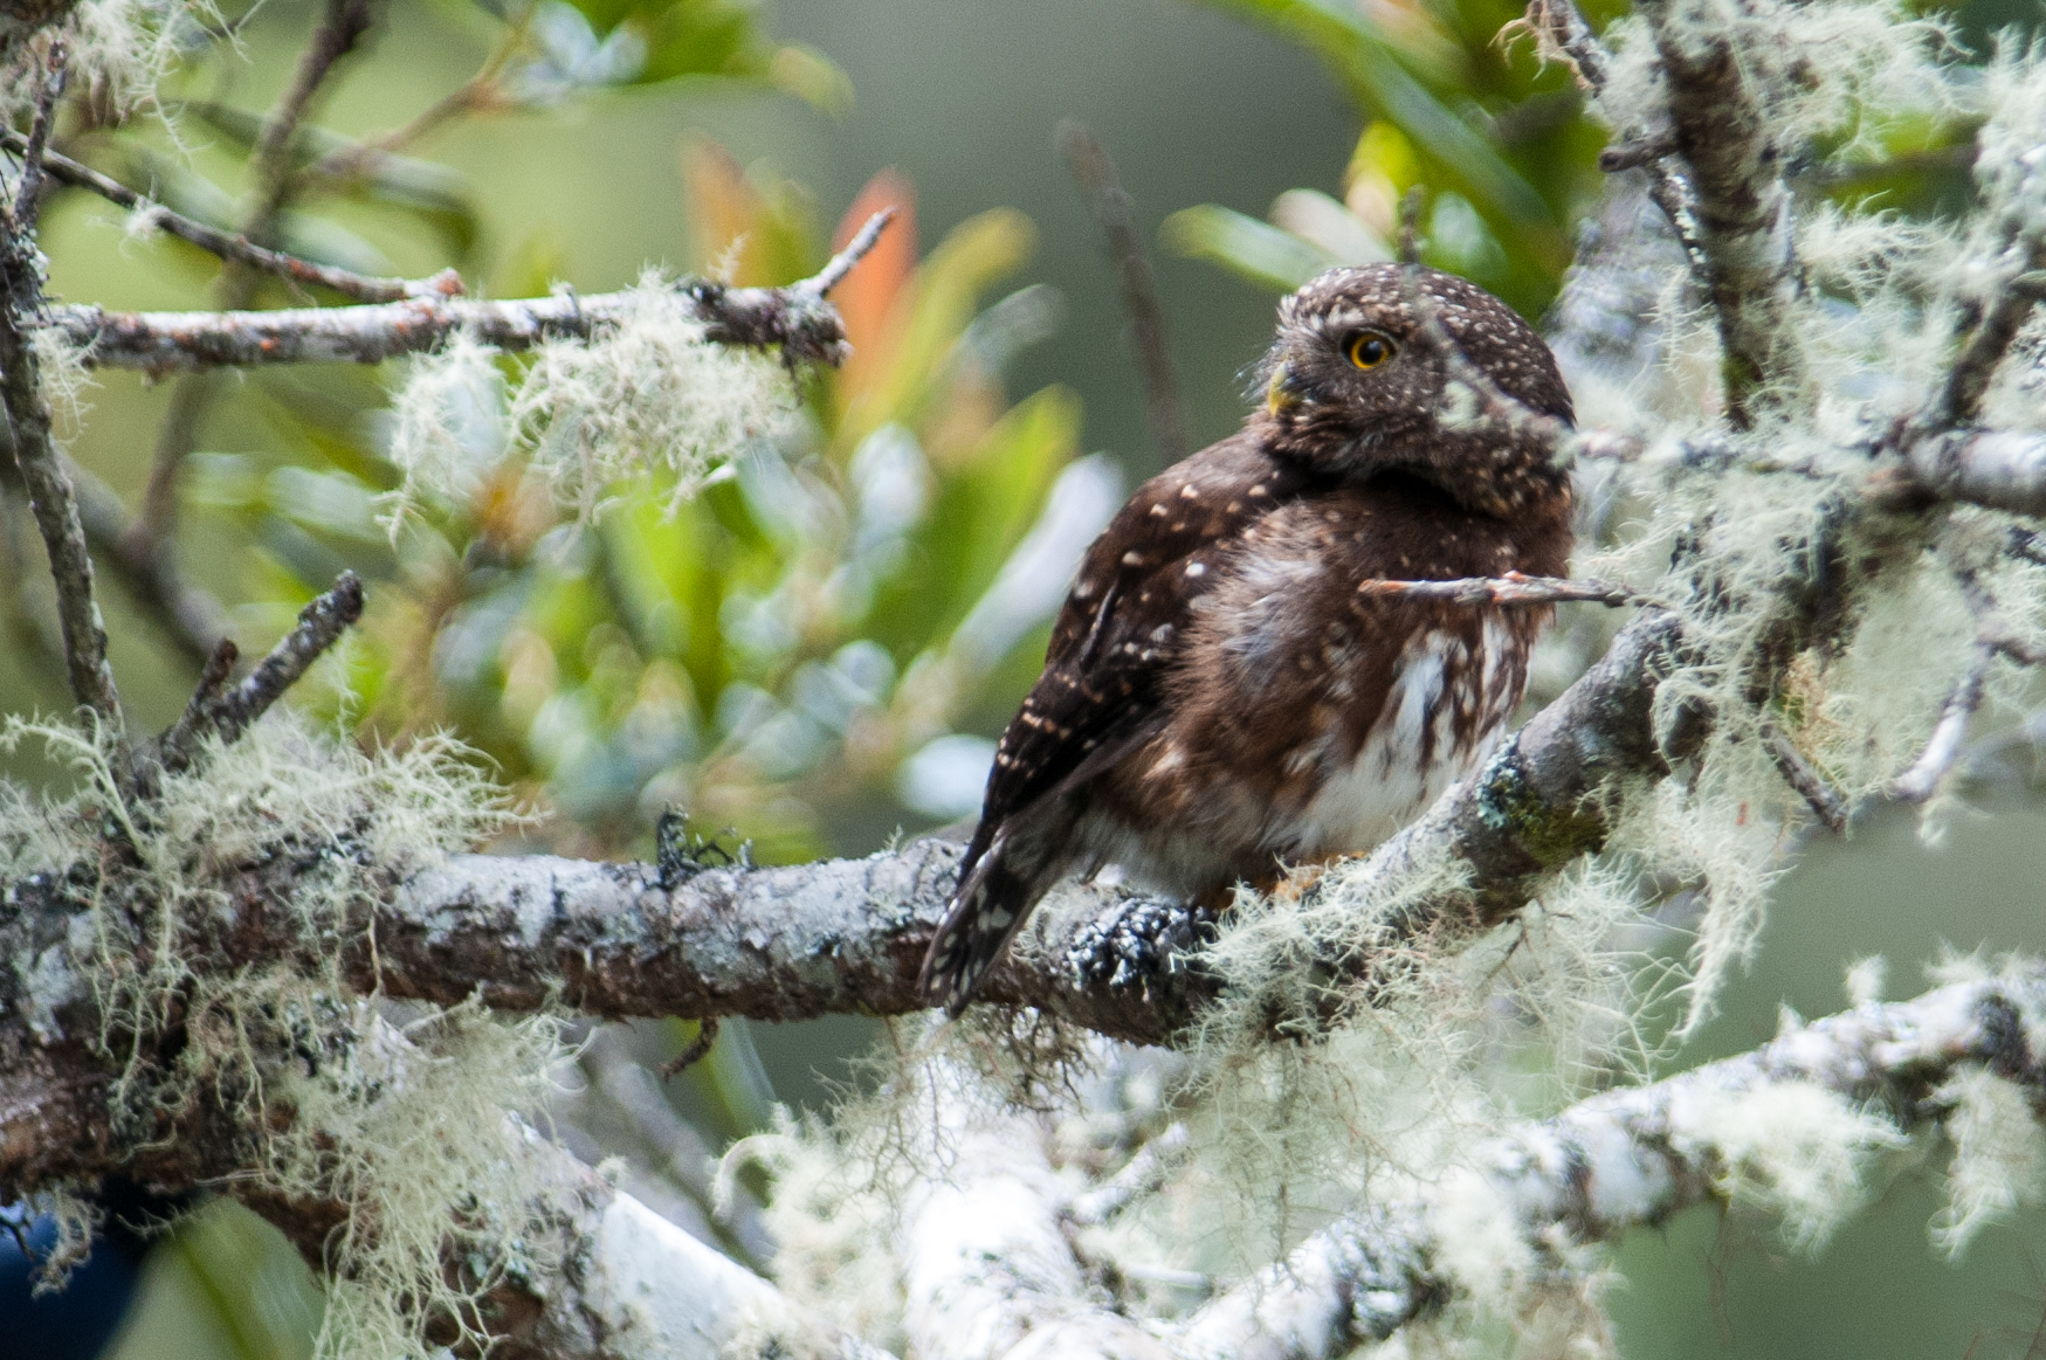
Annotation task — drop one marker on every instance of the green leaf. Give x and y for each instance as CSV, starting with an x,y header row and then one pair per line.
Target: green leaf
x,y
1363,59
1268,256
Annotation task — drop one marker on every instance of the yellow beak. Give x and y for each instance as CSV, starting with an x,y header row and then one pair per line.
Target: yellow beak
x,y
1279,393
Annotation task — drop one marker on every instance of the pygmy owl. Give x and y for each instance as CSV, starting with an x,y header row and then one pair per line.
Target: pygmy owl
x,y
1219,698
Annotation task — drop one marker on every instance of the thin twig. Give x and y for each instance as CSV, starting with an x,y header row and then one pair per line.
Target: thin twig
x,y
342,25
178,742
229,712
1943,749
1561,31
1930,770
479,91
796,319
838,266
694,1051
1982,352
1097,178
1513,588
1499,405
28,190
1823,799
190,617
1411,202
35,451
236,246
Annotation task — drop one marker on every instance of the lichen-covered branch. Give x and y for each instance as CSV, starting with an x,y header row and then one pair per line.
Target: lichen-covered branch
x,y
795,319
1561,30
1720,130
1631,1158
35,449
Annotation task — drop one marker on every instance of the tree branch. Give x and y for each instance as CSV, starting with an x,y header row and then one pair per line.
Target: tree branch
x,y
797,319
236,246
1560,30
1514,588
1097,178
1718,128
1626,1159
35,449
216,708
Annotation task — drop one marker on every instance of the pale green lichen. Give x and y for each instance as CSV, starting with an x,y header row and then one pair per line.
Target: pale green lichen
x,y
645,394
403,1117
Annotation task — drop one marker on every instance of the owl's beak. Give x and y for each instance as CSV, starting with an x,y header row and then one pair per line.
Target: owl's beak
x,y
1282,393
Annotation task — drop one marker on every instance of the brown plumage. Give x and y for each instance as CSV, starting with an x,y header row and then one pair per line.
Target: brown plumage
x,y
1218,698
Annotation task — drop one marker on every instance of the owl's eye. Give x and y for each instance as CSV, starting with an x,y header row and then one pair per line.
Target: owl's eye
x,y
1369,349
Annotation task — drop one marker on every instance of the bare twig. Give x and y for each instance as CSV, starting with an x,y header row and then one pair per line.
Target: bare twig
x,y
237,246
838,266
189,616
1411,203
1823,799
693,1052
1514,588
797,319
1097,178
1992,639
217,709
35,450
341,26
479,91
1983,349
1499,405
28,190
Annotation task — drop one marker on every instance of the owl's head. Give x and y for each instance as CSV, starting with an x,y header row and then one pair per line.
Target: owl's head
x,y
1356,383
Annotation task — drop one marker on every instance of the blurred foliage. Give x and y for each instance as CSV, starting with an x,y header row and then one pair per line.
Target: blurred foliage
x,y
1499,148
768,655
775,648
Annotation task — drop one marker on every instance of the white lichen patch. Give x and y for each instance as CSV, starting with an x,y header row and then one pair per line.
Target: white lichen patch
x,y
1798,1151
645,395
1999,1162
402,1117
649,395
119,50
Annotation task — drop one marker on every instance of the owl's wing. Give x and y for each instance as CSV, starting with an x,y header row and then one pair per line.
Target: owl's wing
x,y
1101,696
1117,637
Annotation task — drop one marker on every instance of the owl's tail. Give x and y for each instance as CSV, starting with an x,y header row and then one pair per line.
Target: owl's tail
x,y
993,900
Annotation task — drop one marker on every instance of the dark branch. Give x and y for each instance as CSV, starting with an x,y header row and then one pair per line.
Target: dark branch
x,y
236,246
1097,179
215,708
35,449
1823,799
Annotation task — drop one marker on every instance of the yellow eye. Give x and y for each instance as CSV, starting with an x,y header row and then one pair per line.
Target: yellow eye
x,y
1370,349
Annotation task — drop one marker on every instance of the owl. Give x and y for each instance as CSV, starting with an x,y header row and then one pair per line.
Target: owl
x,y
1220,700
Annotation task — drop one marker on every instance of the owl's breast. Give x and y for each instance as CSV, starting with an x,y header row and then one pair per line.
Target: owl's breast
x,y
1304,717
